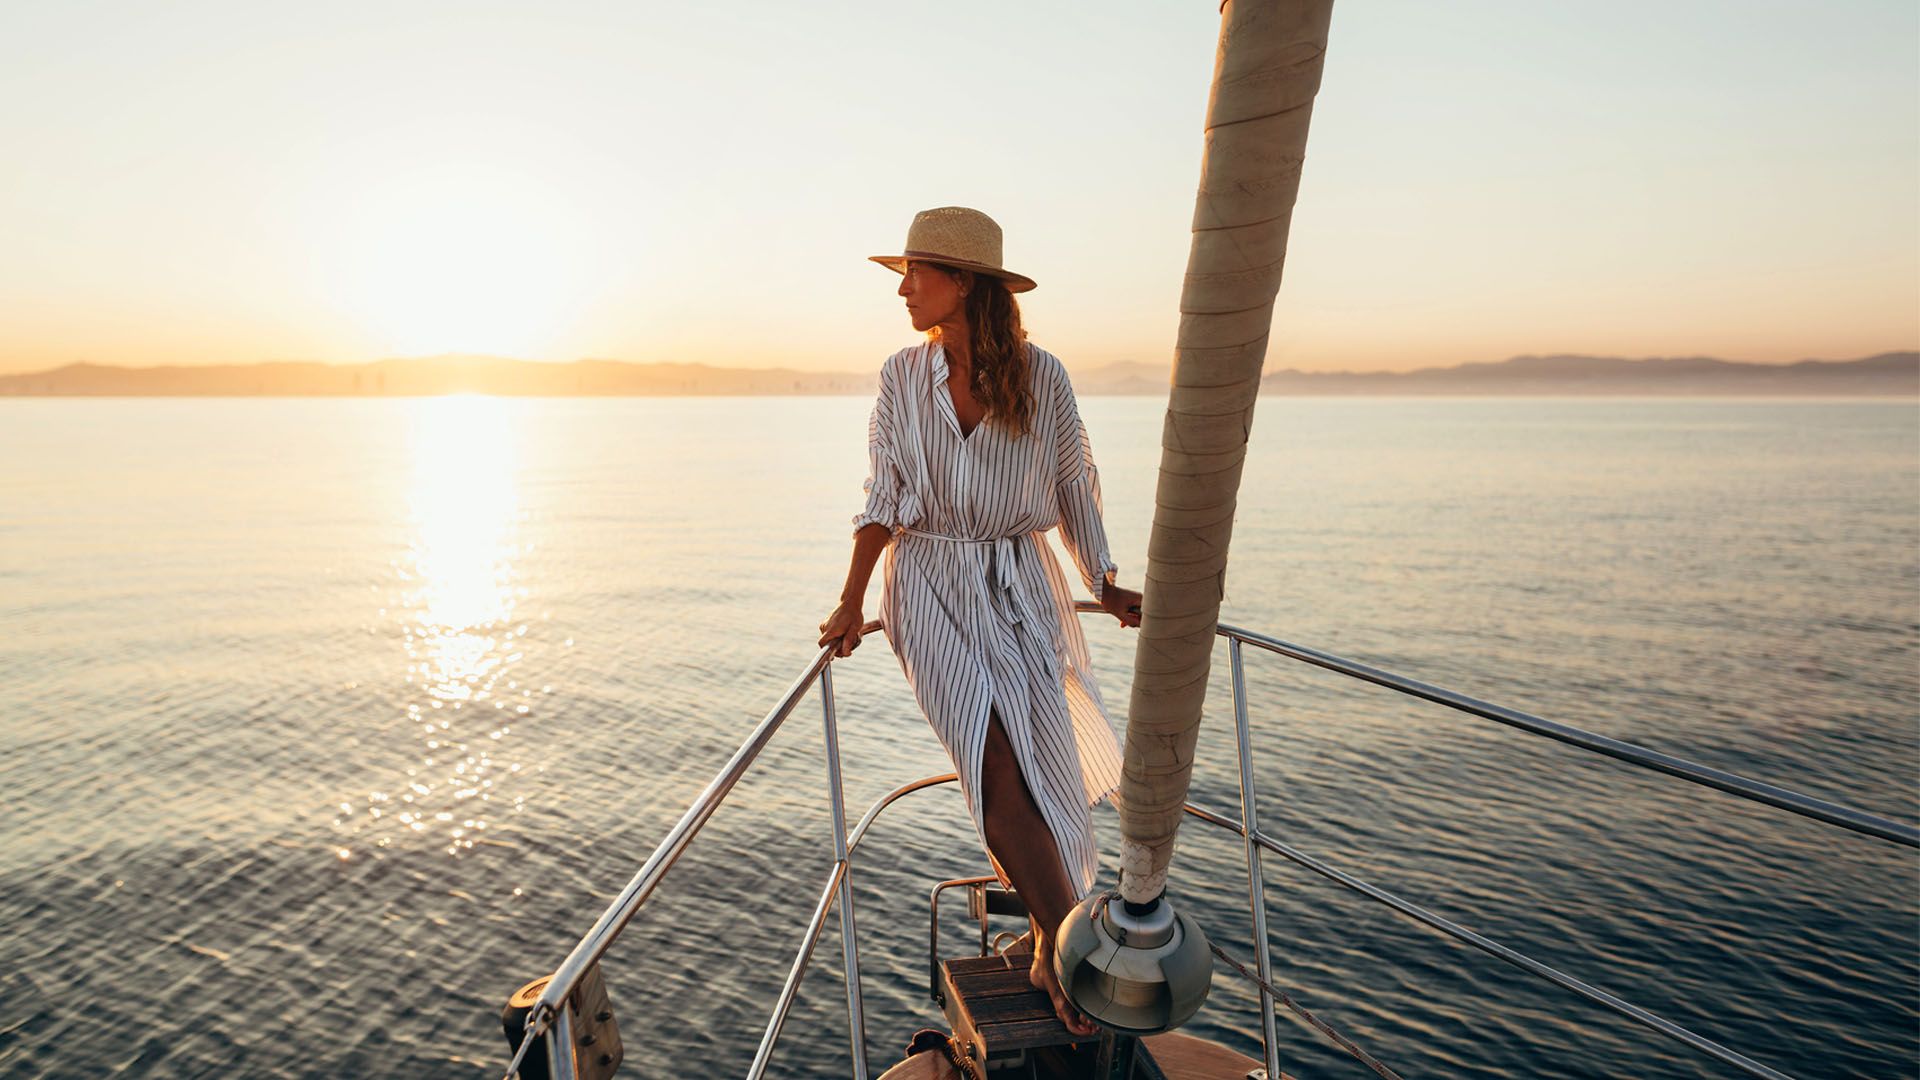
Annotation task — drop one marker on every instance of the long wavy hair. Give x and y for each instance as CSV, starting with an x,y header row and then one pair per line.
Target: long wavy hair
x,y
1001,363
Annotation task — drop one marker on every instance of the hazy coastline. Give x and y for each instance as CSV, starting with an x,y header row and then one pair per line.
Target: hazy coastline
x,y
1892,374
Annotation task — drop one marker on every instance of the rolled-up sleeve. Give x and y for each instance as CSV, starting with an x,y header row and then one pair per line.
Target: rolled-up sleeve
x,y
1077,484
890,501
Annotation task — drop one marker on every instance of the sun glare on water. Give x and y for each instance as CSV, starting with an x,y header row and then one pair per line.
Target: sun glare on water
x,y
458,597
463,641
464,506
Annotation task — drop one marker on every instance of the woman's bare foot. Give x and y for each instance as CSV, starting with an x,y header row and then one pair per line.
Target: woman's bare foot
x,y
1042,977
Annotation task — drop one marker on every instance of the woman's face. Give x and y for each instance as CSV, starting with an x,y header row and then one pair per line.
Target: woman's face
x,y
933,295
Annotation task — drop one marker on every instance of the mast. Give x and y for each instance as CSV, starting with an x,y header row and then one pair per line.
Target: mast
x,y
1265,76
1266,72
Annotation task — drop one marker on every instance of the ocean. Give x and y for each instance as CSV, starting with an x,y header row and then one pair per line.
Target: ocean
x,y
331,722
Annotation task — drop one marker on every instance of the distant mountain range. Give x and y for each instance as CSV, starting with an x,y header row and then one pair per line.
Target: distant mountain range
x,y
1895,374
431,376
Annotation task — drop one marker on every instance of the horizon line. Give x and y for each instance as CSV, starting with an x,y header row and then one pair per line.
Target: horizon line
x,y
495,357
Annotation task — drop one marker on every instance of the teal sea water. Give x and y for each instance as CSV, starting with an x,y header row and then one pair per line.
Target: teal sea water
x,y
328,723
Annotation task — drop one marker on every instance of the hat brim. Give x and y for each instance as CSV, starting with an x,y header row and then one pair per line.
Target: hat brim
x,y
1018,283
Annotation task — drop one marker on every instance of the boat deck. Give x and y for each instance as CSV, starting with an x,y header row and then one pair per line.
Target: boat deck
x,y
1177,1056
1000,1019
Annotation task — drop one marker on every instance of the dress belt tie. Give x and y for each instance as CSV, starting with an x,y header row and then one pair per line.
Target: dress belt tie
x,y
1012,601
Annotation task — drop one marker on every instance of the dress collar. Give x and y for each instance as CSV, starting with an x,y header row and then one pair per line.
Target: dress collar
x,y
937,386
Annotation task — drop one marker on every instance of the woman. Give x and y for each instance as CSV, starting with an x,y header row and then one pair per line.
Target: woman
x,y
977,447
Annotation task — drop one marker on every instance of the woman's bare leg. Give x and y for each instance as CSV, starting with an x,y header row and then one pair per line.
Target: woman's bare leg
x,y
1025,854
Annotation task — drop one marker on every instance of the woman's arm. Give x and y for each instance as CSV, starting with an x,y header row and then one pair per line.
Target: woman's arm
x,y
847,619
1082,521
890,507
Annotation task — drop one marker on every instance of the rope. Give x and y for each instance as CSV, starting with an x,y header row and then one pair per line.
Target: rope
x,y
962,1058
526,1041
537,1023
1315,1022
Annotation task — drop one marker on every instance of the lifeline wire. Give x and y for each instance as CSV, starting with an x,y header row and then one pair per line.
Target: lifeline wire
x,y
1318,1024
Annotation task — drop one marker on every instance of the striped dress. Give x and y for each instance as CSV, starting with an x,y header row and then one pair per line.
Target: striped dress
x,y
974,602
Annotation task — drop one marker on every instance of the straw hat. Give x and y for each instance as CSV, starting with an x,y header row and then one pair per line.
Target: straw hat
x,y
958,237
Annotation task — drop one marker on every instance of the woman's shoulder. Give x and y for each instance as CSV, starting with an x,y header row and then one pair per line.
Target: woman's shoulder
x,y
913,358
1048,372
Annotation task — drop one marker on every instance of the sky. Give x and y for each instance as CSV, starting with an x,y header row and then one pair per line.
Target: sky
x,y
232,182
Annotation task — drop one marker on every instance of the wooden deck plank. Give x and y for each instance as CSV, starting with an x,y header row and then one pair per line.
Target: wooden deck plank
x,y
990,981
1006,1008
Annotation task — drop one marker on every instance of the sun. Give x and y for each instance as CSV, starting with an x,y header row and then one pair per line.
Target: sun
x,y
465,259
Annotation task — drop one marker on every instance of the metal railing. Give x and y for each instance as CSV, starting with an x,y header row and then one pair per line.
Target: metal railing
x,y
551,1013
1256,840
